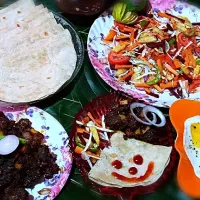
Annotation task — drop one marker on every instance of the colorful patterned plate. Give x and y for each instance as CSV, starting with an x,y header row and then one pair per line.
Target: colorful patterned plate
x,y
98,51
57,140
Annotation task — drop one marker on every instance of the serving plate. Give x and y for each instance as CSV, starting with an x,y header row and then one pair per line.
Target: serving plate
x,y
98,51
97,108
187,179
57,140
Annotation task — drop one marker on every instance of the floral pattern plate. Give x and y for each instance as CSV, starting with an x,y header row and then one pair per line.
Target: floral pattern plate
x,y
57,140
98,51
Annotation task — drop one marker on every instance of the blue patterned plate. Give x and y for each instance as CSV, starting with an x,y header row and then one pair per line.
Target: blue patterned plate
x,y
57,140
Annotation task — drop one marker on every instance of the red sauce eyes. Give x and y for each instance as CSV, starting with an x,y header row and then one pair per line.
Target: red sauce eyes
x,y
138,159
117,164
133,170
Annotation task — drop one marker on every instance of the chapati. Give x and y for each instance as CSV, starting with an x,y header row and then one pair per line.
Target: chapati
x,y
37,55
124,151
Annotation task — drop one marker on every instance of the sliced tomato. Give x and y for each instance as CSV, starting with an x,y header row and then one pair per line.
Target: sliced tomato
x,y
167,59
183,39
194,85
117,59
119,25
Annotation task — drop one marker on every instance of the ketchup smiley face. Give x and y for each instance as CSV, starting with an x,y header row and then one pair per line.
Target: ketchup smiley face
x,y
138,160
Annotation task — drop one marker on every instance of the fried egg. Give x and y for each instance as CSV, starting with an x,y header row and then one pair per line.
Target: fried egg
x,y
191,142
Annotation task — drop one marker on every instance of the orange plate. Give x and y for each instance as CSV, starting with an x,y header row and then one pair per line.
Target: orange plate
x,y
180,111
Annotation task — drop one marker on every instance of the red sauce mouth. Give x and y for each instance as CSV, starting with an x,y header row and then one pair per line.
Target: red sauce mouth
x,y
134,179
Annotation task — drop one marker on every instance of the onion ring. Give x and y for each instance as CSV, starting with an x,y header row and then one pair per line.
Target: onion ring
x,y
141,105
156,111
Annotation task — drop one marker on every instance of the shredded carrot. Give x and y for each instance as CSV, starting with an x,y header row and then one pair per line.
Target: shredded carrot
x,y
92,154
147,90
122,37
94,120
132,46
107,42
144,85
81,130
86,120
159,63
164,15
189,58
123,66
78,150
127,76
128,29
177,63
171,84
158,88
132,36
169,68
111,35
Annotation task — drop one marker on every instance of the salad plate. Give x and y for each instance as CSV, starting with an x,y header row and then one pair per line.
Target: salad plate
x,y
56,139
158,95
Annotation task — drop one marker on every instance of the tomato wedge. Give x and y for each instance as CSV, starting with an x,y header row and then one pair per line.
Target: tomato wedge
x,y
116,59
194,85
183,39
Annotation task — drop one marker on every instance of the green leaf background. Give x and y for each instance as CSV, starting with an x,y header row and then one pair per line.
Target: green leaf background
x,y
67,103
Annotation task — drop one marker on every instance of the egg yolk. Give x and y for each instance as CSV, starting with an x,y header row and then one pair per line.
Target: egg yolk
x,y
195,130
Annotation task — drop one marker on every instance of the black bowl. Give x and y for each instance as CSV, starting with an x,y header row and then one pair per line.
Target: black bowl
x,y
79,48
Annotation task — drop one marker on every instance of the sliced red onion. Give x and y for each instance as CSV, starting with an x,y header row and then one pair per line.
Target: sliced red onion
x,y
197,54
198,37
141,105
84,156
88,143
156,111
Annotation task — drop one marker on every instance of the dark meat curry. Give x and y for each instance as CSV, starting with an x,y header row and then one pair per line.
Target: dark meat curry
x,y
28,165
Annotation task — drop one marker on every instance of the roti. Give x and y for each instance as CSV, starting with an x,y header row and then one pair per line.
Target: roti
x,y
105,174
37,55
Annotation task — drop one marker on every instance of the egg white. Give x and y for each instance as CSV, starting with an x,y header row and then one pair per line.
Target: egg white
x,y
191,150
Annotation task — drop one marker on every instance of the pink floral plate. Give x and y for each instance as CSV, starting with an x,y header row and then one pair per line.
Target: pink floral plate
x,y
98,51
57,140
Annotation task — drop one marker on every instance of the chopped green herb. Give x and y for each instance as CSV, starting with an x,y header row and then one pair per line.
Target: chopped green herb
x,y
144,23
198,61
172,41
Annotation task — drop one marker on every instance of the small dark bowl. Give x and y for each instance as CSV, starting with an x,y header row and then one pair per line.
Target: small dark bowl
x,y
83,12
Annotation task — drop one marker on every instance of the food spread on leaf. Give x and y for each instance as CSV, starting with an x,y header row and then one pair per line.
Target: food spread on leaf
x,y
156,52
191,142
25,160
123,147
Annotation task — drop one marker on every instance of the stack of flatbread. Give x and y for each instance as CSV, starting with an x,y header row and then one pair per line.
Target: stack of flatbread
x,y
37,55
124,151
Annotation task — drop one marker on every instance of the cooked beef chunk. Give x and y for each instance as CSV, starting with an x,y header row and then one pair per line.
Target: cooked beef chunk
x,y
15,193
